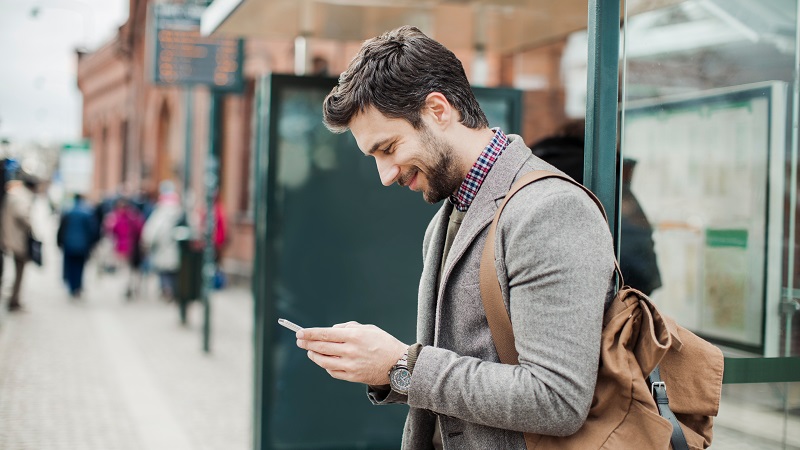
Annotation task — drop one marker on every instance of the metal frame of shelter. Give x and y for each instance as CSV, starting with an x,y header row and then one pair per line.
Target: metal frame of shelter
x,y
601,175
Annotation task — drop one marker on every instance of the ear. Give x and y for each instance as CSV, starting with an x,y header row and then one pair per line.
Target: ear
x,y
438,110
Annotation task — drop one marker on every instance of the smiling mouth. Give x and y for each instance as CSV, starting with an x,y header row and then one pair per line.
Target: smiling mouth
x,y
408,179
413,183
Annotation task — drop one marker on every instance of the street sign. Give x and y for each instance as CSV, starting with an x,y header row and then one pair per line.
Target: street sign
x,y
76,165
180,55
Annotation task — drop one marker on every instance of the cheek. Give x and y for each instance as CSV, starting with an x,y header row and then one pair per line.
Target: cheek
x,y
418,162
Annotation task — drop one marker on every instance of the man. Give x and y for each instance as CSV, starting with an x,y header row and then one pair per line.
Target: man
x,y
75,237
16,228
408,103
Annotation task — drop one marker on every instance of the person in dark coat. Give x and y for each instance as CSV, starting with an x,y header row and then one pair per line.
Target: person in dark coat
x,y
76,234
4,162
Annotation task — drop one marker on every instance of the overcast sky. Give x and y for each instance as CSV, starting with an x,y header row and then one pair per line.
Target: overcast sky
x,y
39,98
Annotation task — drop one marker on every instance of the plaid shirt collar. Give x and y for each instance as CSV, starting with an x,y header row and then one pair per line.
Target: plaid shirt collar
x,y
472,183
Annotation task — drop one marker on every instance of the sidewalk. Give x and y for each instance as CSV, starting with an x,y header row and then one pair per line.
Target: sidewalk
x,y
105,373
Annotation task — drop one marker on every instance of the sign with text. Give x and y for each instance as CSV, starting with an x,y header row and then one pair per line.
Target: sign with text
x,y
76,166
182,56
710,178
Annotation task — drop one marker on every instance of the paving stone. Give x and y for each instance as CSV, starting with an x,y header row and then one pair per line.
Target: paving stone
x,y
106,373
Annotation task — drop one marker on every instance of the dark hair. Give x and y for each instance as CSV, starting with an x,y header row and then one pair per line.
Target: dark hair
x,y
395,72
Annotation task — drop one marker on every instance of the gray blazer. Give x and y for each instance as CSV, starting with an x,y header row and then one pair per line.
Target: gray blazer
x,y
555,262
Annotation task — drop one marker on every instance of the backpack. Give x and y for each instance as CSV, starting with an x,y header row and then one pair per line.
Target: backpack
x,y
642,354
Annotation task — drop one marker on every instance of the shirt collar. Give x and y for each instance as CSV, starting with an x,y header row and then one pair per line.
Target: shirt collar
x,y
472,183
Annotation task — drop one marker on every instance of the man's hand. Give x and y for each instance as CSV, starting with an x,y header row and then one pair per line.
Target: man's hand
x,y
352,351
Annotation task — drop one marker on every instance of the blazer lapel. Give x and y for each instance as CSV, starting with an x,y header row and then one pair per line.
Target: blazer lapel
x,y
426,308
481,211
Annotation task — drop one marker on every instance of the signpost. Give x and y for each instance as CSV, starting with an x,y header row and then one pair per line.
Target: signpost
x,y
181,56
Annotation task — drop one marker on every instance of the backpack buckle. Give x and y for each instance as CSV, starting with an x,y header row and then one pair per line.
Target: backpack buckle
x,y
658,384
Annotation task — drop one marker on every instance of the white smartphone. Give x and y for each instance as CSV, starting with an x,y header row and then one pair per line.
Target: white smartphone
x,y
292,326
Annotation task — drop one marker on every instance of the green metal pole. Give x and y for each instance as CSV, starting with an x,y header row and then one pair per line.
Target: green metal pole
x,y
600,155
209,266
761,370
789,307
262,376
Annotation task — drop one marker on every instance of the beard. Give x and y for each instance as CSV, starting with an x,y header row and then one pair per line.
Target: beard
x,y
439,167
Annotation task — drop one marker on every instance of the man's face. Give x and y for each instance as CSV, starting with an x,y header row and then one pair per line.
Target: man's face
x,y
415,158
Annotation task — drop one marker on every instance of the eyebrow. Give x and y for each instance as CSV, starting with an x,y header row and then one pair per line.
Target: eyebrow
x,y
379,144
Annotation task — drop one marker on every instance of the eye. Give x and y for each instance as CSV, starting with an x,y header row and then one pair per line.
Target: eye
x,y
388,150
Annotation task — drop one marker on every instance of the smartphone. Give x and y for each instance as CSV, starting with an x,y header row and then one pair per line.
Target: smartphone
x,y
292,326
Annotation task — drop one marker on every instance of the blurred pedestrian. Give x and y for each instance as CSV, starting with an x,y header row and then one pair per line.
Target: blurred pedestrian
x,y
220,230
4,162
16,228
159,243
103,247
145,201
76,234
637,255
124,226
219,238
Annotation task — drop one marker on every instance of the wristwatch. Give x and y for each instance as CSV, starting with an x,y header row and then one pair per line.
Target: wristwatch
x,y
400,376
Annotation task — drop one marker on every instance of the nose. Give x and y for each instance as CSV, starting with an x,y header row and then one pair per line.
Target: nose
x,y
387,171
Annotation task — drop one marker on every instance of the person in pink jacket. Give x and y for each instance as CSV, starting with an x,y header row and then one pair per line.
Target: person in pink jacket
x,y
124,226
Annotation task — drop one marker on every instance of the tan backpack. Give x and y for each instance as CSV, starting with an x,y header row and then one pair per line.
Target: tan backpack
x,y
643,355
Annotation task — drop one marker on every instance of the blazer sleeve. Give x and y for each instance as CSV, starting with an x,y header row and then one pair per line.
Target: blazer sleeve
x,y
555,264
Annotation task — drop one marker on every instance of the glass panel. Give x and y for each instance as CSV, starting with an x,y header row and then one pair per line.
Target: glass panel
x,y
328,198
708,189
696,168
328,237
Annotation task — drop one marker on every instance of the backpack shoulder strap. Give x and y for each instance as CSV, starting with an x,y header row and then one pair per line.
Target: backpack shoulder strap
x,y
491,295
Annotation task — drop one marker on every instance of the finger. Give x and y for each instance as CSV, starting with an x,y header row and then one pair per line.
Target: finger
x,y
325,348
324,334
325,361
346,324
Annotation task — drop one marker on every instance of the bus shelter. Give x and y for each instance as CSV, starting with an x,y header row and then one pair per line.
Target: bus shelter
x,y
691,105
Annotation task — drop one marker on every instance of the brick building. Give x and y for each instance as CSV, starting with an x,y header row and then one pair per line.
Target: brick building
x,y
138,129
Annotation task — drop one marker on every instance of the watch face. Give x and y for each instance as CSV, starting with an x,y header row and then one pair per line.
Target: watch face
x,y
400,379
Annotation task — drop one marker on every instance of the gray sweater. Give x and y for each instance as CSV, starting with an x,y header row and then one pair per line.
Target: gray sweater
x,y
554,260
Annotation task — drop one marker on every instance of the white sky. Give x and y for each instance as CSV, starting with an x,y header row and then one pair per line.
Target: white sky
x,y
39,97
